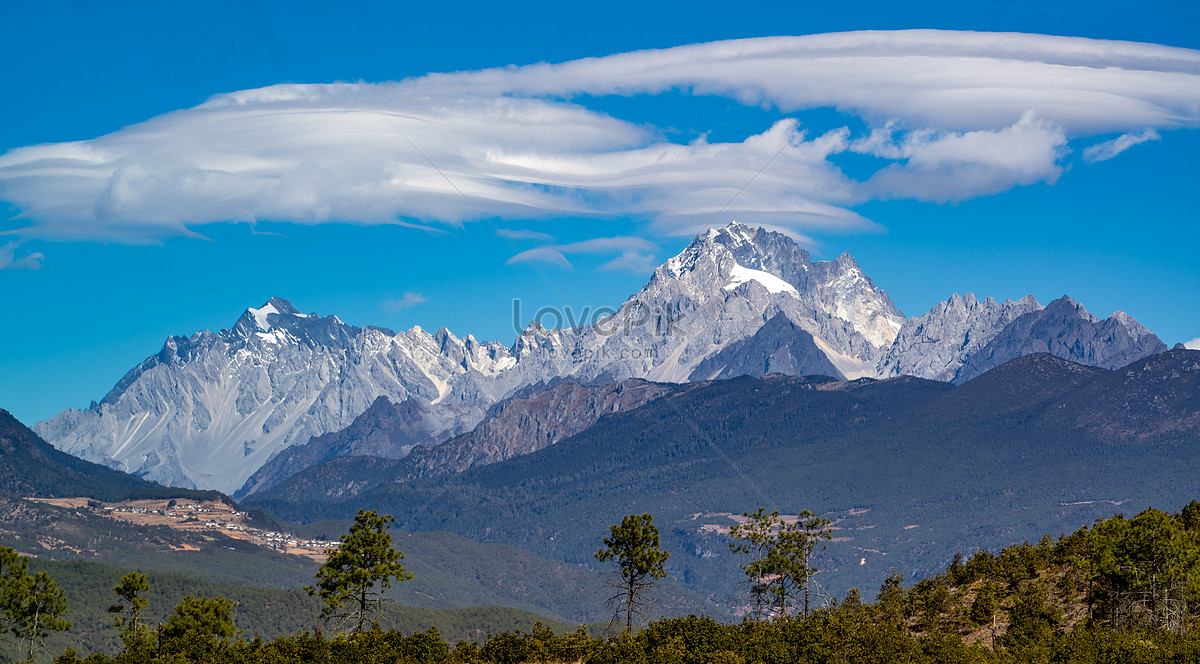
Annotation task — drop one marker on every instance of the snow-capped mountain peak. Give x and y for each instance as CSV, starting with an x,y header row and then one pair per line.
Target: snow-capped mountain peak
x,y
277,321
276,306
208,410
847,293
837,288
1131,325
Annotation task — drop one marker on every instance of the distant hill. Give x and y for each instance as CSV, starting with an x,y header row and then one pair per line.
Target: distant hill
x,y
29,466
912,470
1121,591
60,533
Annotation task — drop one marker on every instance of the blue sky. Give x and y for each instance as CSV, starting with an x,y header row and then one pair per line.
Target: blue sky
x,y
976,196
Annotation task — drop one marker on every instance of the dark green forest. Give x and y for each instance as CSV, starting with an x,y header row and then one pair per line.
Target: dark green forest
x,y
1125,589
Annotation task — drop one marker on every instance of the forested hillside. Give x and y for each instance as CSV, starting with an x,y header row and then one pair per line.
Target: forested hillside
x,y
1121,590
911,470
29,466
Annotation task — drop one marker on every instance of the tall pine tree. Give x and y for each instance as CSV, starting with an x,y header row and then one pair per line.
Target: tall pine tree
x,y
352,581
634,547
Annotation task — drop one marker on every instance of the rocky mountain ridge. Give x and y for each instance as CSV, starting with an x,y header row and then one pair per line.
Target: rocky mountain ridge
x,y
518,425
211,409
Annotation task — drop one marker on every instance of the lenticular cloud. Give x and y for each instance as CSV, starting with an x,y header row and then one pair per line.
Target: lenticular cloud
x,y
957,115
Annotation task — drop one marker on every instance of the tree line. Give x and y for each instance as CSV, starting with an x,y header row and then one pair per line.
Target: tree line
x,y
1131,585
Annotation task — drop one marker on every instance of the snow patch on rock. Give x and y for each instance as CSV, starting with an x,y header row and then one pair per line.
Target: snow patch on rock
x,y
740,275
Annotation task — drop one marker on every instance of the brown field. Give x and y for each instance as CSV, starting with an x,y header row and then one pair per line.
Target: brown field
x,y
200,517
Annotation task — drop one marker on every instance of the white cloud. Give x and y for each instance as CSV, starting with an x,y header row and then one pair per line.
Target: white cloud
x,y
1194,344
946,166
923,78
633,250
409,299
970,114
1109,149
542,255
10,261
631,261
523,234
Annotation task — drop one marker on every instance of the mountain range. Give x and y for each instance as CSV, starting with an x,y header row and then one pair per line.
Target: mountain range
x,y
282,390
909,470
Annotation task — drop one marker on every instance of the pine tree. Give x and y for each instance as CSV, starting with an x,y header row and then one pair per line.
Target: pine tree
x,y
129,613
780,572
199,630
634,547
32,606
756,537
794,545
359,571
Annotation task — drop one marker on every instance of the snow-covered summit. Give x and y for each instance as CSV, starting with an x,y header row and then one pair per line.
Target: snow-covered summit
x,y
209,409
721,289
738,253
277,321
276,306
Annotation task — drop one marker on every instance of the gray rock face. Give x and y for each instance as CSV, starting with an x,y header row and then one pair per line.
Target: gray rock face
x,y
514,427
1066,330
935,345
523,425
387,430
779,346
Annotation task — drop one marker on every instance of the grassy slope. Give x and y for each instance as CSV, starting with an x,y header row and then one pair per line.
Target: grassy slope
x,y
265,612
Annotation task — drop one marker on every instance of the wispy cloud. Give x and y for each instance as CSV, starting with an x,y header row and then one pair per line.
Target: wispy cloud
x,y
958,114
409,299
1194,344
635,252
10,261
922,78
523,234
1109,149
631,261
